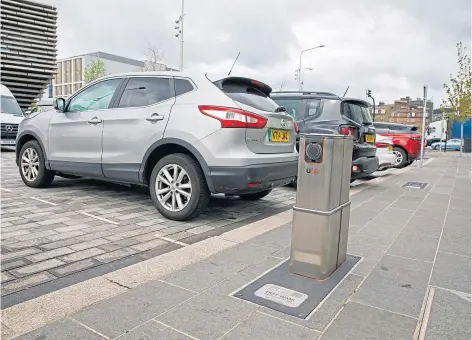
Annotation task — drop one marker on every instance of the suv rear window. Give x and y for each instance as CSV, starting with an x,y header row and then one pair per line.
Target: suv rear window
x,y
356,112
293,107
244,93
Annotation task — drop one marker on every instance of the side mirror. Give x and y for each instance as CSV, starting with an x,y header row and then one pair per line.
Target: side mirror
x,y
59,104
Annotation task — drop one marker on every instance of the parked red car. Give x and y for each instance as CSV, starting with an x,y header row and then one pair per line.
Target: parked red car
x,y
406,141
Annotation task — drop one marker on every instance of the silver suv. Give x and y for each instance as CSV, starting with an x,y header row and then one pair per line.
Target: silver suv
x,y
184,135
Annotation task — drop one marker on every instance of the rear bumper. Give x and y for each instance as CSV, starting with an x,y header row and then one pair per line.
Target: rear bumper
x,y
253,178
366,165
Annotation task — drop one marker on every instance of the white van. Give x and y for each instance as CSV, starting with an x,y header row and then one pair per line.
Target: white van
x,y
11,117
434,133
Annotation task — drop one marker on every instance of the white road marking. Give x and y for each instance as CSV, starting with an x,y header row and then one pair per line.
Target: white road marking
x,y
99,218
43,201
5,189
172,241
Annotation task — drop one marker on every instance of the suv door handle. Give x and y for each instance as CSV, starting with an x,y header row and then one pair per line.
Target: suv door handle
x,y
95,121
155,118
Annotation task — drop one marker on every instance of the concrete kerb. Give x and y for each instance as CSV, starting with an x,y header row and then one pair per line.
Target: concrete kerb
x,y
33,314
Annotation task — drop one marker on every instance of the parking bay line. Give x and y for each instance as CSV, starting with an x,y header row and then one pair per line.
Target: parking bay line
x,y
98,218
172,241
43,201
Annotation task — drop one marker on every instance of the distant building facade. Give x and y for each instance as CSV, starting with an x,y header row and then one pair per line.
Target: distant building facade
x,y
28,48
70,74
402,111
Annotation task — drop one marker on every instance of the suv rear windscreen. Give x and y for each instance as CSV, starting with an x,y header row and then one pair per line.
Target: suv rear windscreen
x,y
248,92
357,112
293,107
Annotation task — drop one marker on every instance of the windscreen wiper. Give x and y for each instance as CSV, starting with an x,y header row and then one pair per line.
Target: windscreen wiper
x,y
280,109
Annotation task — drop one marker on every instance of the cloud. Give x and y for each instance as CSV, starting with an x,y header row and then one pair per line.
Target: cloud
x,y
390,47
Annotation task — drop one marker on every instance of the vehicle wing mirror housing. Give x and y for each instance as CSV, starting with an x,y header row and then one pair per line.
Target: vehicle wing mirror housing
x,y
59,104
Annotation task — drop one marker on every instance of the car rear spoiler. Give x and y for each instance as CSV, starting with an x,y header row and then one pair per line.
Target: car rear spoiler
x,y
264,88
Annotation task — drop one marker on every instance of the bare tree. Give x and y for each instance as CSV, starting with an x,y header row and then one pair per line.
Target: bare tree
x,y
281,84
154,56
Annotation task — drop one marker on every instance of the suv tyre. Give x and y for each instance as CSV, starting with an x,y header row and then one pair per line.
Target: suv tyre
x,y
32,168
402,157
255,196
178,187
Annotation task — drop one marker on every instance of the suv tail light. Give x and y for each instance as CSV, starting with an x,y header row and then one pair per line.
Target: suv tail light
x,y
382,145
295,127
415,138
231,117
347,131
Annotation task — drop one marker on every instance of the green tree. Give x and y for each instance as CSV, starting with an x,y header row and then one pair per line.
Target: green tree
x,y
459,89
94,70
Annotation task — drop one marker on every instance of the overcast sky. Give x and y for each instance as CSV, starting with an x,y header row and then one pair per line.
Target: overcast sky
x,y
393,47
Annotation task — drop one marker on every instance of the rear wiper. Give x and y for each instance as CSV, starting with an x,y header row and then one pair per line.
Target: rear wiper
x,y
280,109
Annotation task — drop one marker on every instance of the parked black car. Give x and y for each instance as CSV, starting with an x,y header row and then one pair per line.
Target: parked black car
x,y
323,112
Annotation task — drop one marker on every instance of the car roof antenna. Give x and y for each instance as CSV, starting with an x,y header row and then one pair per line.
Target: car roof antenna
x,y
235,60
344,95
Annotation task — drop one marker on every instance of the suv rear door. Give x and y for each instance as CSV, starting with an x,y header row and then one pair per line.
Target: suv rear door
x,y
358,116
278,135
137,120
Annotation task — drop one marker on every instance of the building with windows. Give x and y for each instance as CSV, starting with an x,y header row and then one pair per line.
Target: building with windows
x,y
70,74
403,111
28,48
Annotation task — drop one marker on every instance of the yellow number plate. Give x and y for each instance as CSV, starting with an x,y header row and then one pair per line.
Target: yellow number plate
x,y
279,136
369,138
389,148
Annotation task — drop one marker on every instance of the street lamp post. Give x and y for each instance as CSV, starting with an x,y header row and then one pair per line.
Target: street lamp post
x,y
180,34
301,75
300,82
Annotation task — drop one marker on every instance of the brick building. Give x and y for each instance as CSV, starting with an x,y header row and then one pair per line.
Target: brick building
x,y
402,111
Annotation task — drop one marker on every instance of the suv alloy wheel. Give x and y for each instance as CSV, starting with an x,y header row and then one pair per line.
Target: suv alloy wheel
x,y
33,171
178,187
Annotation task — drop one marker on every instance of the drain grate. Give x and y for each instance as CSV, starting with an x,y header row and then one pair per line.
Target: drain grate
x,y
415,185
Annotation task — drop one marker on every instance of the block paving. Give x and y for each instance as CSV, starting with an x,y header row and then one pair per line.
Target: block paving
x,y
77,229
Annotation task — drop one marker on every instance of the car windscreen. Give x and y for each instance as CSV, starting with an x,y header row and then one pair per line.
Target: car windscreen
x,y
293,107
10,106
357,112
243,92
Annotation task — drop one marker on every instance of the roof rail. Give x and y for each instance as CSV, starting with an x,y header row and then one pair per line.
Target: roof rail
x,y
308,92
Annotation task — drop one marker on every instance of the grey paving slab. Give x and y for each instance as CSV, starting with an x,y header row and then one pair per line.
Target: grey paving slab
x,y
283,253
205,317
431,213
359,322
218,267
265,327
153,330
414,246
119,314
456,239
376,205
277,238
62,330
361,216
452,272
393,217
450,316
371,254
424,226
377,234
397,285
